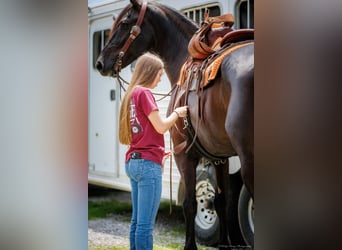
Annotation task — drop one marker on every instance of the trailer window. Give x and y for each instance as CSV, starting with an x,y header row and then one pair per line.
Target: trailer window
x,y
99,40
244,14
197,13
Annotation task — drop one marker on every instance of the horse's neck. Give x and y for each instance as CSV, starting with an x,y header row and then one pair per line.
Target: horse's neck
x,y
172,44
174,59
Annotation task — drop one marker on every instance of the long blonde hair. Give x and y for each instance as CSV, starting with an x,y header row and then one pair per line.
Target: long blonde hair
x,y
145,72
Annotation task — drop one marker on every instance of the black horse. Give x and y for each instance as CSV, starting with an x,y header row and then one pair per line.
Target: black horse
x,y
225,128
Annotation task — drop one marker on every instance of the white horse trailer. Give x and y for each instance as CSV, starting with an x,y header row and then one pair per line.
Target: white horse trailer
x,y
106,165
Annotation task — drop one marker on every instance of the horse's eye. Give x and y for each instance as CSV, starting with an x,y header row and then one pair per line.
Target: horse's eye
x,y
124,25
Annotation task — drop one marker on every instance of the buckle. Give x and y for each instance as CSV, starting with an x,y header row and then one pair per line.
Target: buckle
x,y
136,155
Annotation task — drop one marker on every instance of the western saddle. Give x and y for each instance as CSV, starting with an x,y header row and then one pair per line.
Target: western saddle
x,y
208,47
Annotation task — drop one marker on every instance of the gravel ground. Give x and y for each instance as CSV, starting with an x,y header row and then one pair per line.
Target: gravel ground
x,y
114,230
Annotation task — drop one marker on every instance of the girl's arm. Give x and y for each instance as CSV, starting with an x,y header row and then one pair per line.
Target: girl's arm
x,y
161,125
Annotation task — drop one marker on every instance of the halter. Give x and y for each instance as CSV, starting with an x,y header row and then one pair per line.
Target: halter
x,y
135,31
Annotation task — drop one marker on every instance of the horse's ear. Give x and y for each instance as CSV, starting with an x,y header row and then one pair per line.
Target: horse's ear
x,y
136,3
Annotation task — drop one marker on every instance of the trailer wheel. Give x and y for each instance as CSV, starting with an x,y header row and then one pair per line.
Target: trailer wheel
x,y
246,216
207,225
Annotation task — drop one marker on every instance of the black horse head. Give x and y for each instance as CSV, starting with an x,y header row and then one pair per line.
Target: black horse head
x,y
159,29
127,40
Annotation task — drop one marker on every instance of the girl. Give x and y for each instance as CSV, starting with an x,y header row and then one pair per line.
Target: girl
x,y
142,128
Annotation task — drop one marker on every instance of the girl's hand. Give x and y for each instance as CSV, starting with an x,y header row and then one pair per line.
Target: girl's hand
x,y
181,111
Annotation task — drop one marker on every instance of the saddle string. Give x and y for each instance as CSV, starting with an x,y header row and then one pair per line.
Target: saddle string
x,y
194,72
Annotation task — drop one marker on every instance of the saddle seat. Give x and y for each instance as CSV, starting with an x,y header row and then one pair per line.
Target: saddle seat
x,y
214,33
207,48
237,36
208,37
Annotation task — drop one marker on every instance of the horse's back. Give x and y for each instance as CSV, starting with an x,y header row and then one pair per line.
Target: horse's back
x,y
239,64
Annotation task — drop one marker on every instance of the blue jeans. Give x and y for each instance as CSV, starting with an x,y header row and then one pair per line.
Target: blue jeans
x,y
146,182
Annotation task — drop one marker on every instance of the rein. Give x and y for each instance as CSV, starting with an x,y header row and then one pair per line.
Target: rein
x,y
121,81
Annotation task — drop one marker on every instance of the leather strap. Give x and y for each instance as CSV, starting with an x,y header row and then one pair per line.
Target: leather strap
x,y
226,18
135,30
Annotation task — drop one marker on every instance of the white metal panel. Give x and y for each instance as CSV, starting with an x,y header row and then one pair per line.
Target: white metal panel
x,y
102,113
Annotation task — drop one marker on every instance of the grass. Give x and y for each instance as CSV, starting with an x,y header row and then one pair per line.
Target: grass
x,y
164,211
103,209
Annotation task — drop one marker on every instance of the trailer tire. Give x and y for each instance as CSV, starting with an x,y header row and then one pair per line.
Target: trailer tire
x,y
246,216
207,225
207,229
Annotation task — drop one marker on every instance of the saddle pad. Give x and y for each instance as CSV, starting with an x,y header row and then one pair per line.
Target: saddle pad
x,y
208,68
211,70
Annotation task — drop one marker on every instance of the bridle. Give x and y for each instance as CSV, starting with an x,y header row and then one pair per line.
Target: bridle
x,y
135,31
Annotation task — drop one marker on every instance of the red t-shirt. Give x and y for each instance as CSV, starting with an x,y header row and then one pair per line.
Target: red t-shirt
x,y
145,139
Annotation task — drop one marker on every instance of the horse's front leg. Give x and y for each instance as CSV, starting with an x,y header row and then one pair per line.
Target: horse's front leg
x,y
187,169
221,202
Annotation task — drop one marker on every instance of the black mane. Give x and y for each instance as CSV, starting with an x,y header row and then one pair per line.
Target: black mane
x,y
182,22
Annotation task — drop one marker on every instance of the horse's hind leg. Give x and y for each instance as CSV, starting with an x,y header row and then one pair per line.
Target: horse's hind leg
x,y
221,201
240,125
187,168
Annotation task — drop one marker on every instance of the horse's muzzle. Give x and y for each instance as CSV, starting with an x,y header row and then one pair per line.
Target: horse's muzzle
x,y
100,66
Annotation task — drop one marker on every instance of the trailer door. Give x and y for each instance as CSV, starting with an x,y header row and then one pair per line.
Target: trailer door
x,y
103,106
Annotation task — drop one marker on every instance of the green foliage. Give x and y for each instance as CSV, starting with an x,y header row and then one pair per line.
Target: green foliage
x,y
164,211
103,209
